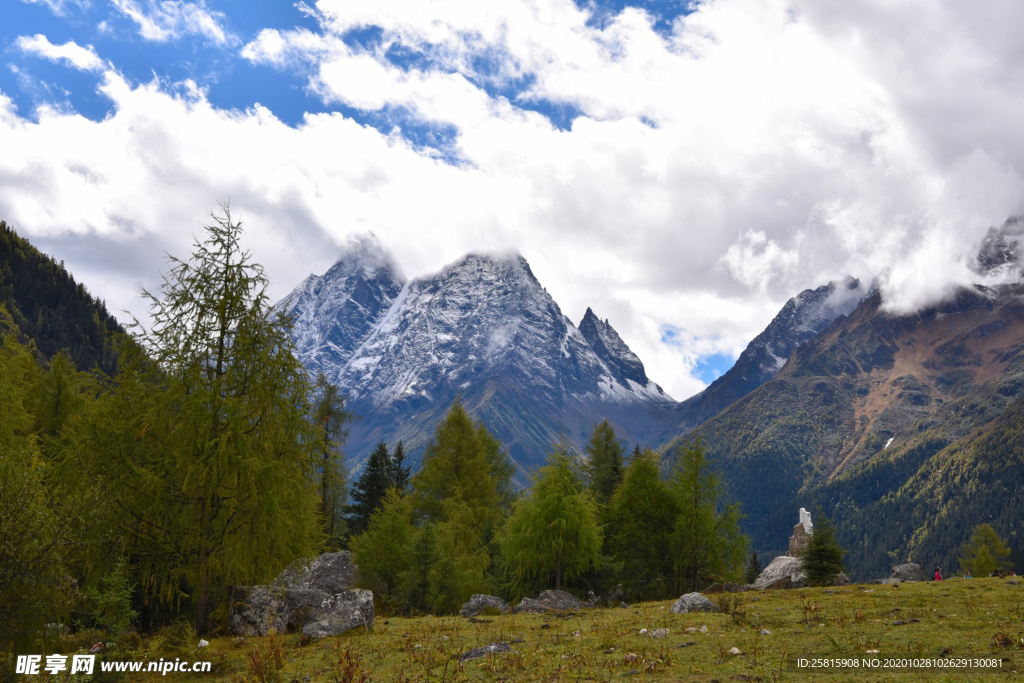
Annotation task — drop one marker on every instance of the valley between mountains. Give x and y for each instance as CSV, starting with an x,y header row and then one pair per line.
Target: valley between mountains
x,y
882,420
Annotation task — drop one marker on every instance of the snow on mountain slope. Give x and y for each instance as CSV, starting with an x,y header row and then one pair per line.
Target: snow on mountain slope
x,y
333,312
483,329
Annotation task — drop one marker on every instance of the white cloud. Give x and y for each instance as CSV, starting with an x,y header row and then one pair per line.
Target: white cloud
x,y
711,173
70,53
168,20
59,7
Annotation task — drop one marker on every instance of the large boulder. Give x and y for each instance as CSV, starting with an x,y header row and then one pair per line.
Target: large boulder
x,y
339,613
304,589
549,601
693,602
911,571
261,610
331,573
483,604
782,567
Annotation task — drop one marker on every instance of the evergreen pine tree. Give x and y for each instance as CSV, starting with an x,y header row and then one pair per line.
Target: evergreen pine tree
x,y
605,462
985,552
370,488
706,539
822,557
753,569
554,534
399,472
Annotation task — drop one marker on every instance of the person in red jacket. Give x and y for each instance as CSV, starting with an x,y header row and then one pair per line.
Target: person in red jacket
x,y
938,574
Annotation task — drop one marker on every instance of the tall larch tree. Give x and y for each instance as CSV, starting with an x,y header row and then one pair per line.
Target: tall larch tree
x,y
206,445
554,534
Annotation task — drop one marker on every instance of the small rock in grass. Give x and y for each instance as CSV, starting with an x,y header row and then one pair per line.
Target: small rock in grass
x,y
735,651
703,629
693,602
203,643
643,632
765,632
492,648
659,633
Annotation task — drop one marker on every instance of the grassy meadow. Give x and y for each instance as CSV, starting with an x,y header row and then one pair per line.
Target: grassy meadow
x,y
956,617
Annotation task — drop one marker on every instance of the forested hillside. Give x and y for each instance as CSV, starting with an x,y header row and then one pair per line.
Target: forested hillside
x,y
49,307
895,425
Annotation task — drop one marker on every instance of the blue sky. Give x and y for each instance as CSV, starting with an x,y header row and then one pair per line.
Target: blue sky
x,y
230,81
681,167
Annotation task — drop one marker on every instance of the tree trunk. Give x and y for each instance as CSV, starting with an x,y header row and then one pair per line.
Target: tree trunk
x,y
558,572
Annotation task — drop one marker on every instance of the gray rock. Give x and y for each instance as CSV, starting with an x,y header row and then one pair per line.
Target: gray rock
x,y
782,567
841,579
331,573
693,602
659,633
341,612
778,584
260,610
911,571
1012,582
548,601
492,648
483,604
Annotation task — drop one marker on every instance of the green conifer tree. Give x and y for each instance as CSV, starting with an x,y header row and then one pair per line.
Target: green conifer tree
x,y
553,535
332,418
985,552
706,539
605,462
206,446
638,535
370,489
753,569
822,557
399,470
456,466
383,552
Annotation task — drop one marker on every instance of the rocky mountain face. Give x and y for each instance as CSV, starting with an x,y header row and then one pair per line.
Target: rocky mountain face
x,y
872,411
484,330
801,319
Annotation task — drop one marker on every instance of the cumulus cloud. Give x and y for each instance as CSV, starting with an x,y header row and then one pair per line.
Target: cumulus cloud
x,y
700,175
168,20
70,53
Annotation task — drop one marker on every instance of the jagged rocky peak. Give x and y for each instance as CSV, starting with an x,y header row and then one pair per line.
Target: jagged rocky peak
x,y
334,311
1000,250
804,316
610,348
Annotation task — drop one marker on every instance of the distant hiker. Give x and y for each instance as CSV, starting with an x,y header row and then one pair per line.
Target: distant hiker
x,y
938,574
1011,573
968,575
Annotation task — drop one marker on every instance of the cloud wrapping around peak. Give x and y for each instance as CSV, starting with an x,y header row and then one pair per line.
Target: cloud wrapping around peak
x,y
70,53
683,181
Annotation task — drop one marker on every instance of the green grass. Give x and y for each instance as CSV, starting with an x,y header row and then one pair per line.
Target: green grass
x,y
955,617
